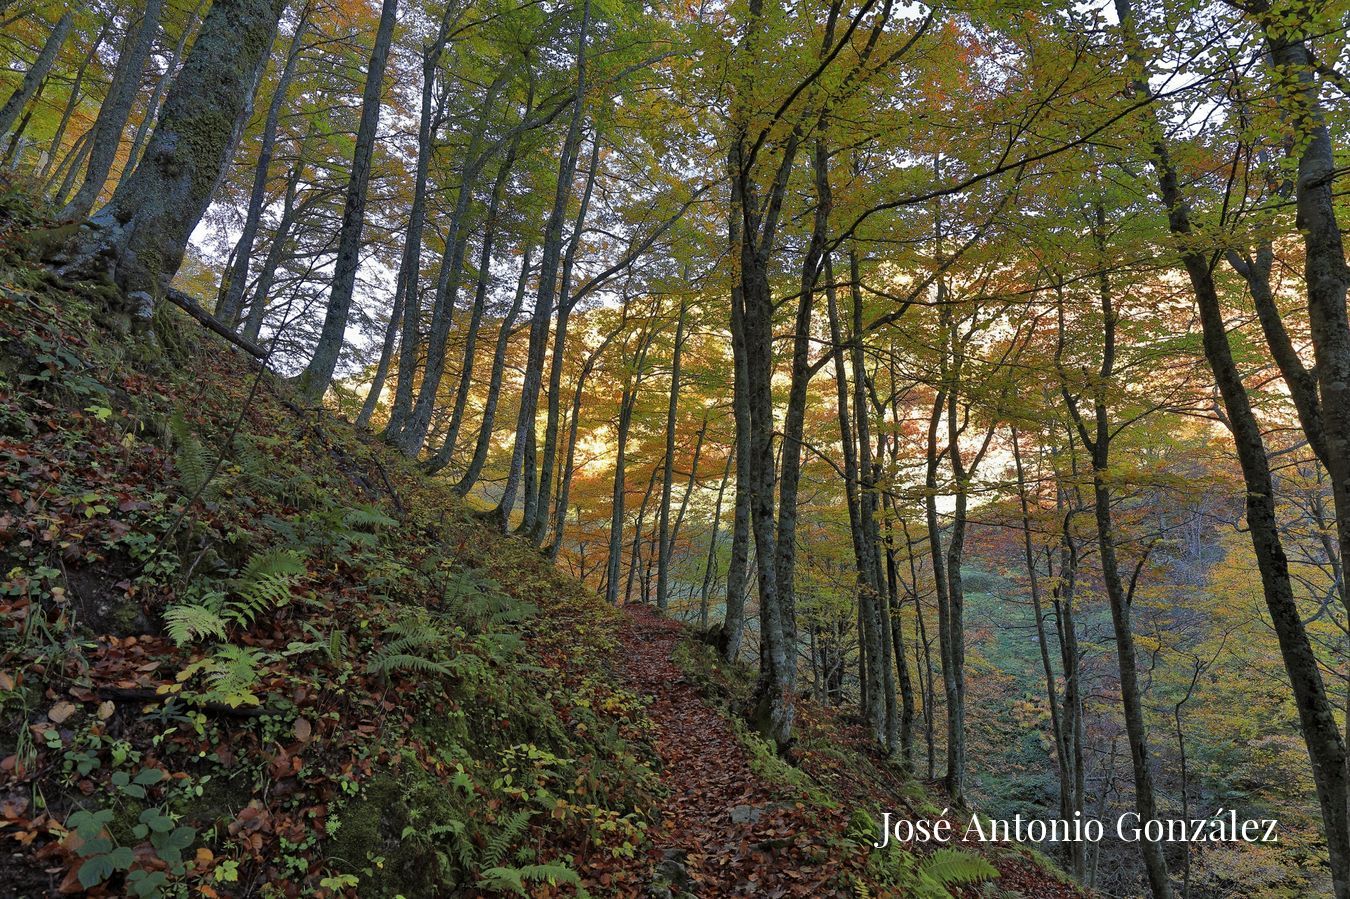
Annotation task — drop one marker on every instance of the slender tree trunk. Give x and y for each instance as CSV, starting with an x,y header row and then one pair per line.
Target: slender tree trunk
x,y
262,286
415,427
1326,747
231,304
116,108
428,121
36,74
314,380
548,284
668,466
494,389
58,139
873,700
447,450
635,560
574,423
617,498
69,167
738,565
1098,442
710,567
1057,731
538,508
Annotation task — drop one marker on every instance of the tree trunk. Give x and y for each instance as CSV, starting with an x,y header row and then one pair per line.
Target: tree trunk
x,y
262,287
1326,747
415,427
36,74
116,108
710,567
447,450
1056,726
537,525
668,466
161,85
428,122
548,284
72,103
494,389
314,380
146,225
231,304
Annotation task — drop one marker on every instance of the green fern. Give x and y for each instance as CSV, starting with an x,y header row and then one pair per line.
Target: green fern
x,y
555,873
511,828
951,867
231,673
413,643
187,622
367,517
265,584
191,457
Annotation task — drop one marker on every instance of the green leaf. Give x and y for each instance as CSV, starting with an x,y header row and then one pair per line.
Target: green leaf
x,y
95,870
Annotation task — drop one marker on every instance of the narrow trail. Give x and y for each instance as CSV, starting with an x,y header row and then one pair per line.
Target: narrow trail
x,y
724,830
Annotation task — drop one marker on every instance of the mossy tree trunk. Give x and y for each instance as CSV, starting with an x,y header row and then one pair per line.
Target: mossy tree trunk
x,y
143,231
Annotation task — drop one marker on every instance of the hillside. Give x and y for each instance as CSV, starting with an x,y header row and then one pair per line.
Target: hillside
x,y
248,651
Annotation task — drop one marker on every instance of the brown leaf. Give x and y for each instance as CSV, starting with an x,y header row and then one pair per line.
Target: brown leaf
x,y
61,711
303,730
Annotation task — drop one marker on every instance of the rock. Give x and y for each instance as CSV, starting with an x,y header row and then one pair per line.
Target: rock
x,y
671,878
745,814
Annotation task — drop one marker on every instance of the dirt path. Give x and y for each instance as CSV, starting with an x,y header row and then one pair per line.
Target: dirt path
x,y
724,830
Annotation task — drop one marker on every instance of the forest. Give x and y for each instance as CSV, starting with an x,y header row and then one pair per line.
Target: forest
x,y
599,447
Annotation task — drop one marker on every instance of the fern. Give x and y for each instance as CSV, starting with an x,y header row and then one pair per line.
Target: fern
x,y
501,878
952,867
265,584
367,517
498,845
192,621
389,662
413,642
231,674
191,457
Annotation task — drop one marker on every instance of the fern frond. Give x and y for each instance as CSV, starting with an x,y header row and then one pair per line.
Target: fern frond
x,y
388,662
951,867
265,583
367,517
498,845
232,674
187,622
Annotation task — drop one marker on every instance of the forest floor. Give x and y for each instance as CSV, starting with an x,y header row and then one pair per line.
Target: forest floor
x,y
725,830
247,650
738,822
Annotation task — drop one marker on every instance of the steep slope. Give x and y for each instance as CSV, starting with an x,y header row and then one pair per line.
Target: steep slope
x,y
249,651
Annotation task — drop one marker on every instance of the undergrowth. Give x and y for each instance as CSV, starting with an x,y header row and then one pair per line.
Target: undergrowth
x,y
247,651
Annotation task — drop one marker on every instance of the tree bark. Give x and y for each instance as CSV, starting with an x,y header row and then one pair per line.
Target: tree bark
x,y
543,307
145,227
668,466
116,108
314,380
538,509
1326,747
36,74
161,84
447,449
231,304
494,389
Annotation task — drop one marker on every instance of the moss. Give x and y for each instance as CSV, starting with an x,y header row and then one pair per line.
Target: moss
x,y
370,841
